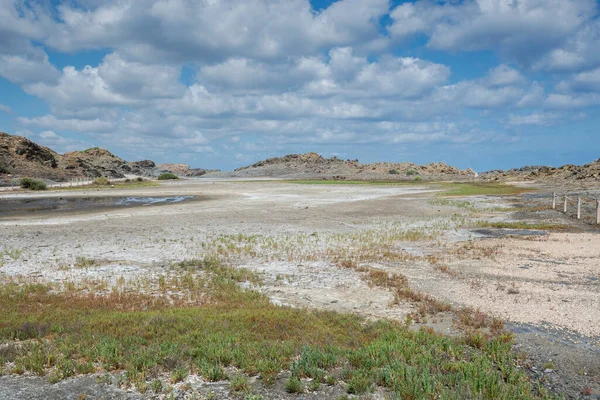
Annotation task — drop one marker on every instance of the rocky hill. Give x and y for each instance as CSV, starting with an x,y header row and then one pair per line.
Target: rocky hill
x,y
313,165
184,170
21,157
587,172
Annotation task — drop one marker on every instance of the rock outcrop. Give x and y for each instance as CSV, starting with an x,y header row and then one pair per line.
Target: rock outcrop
x,y
184,170
587,172
313,165
21,157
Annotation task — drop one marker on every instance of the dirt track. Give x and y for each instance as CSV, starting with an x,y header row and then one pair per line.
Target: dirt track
x,y
548,285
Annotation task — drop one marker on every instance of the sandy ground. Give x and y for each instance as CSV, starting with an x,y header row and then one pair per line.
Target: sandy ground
x,y
549,283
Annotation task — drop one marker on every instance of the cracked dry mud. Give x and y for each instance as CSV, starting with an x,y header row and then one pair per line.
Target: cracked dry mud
x,y
547,286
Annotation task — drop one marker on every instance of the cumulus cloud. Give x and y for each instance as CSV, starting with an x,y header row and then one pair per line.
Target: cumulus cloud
x,y
187,30
21,62
73,125
578,52
537,118
58,143
572,101
502,87
115,82
521,30
588,81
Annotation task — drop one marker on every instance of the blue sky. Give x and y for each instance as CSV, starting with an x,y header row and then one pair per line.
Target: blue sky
x,y
484,84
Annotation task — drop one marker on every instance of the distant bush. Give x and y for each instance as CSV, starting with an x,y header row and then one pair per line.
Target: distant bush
x,y
418,178
411,172
101,181
393,171
167,175
33,184
4,170
139,179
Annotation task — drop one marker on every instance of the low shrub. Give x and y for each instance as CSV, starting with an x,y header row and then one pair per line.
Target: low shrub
x,y
33,184
418,178
167,175
294,385
4,170
102,181
393,172
411,172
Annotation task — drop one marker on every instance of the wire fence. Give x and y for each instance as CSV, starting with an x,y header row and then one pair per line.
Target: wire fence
x,y
585,206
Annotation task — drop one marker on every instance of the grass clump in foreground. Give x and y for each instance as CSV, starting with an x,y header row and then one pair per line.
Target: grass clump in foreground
x,y
76,332
167,175
33,184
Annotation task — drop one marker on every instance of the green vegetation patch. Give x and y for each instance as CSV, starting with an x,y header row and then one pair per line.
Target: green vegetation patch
x,y
217,324
167,175
33,184
101,181
476,189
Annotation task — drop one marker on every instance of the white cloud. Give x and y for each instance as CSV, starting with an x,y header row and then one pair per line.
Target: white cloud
x,y
25,63
537,118
208,30
504,75
521,30
58,143
502,87
571,101
115,82
577,52
73,125
588,81
79,88
5,108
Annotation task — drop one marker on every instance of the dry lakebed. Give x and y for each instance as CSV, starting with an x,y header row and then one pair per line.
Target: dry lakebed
x,y
418,259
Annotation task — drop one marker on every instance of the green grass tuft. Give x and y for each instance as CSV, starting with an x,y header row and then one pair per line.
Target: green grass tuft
x,y
294,385
166,176
33,184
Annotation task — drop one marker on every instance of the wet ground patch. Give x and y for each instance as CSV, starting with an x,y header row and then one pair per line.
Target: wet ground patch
x,y
27,205
498,233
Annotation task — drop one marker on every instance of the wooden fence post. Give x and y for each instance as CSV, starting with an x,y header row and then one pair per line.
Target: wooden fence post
x,y
565,206
554,200
578,207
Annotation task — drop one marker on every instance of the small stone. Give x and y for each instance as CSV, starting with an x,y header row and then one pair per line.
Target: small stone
x,y
548,370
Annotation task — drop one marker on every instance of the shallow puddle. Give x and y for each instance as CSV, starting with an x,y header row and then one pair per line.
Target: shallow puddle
x,y
45,204
554,334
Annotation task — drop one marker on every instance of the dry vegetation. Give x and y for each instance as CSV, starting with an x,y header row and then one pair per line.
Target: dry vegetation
x,y
155,338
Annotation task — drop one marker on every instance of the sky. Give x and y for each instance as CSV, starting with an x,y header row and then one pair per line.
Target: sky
x,y
482,84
